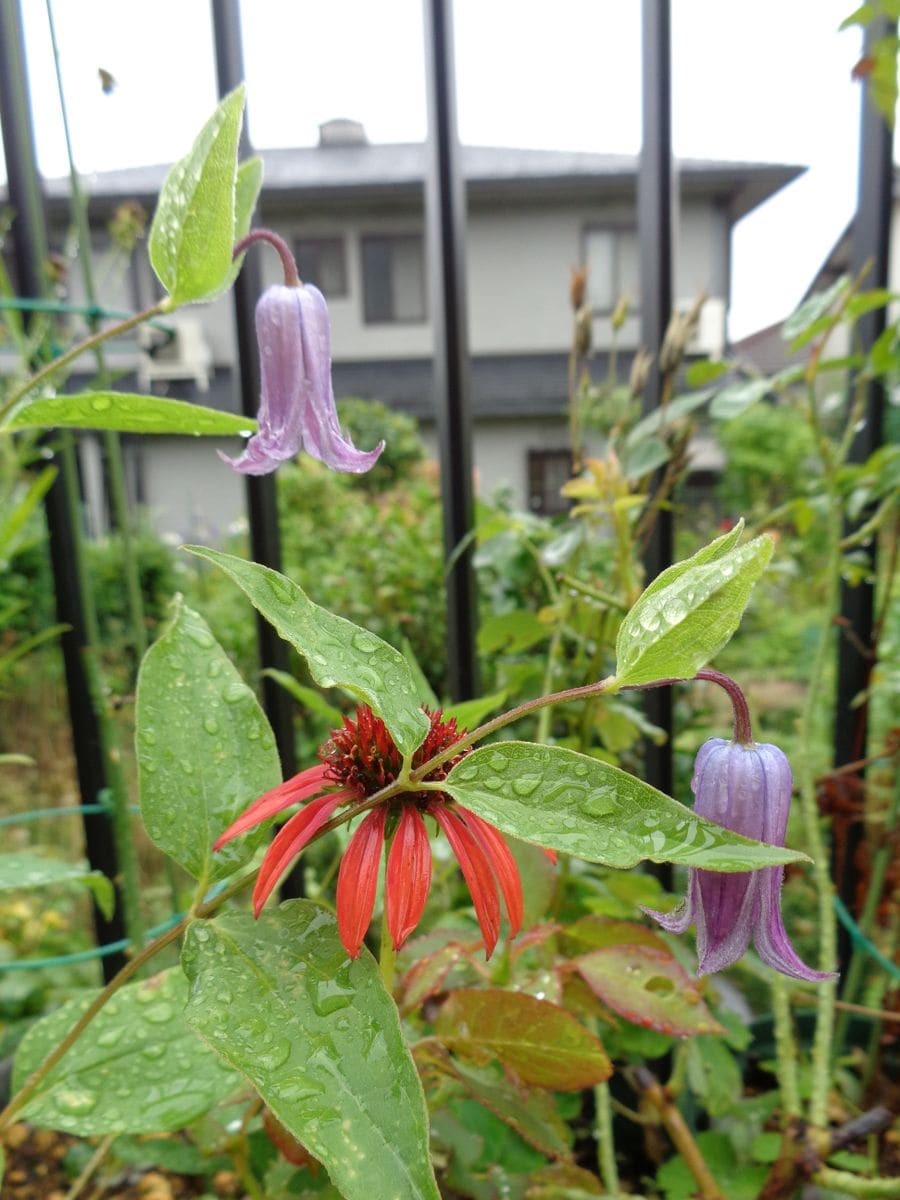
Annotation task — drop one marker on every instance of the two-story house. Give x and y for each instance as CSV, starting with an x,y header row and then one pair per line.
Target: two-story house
x,y
354,215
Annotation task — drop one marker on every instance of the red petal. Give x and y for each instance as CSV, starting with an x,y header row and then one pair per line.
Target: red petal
x,y
505,867
297,788
476,871
408,876
290,840
551,854
357,880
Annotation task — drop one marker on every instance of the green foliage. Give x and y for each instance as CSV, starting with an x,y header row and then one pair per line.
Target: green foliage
x,y
320,1039
127,413
369,422
204,748
770,452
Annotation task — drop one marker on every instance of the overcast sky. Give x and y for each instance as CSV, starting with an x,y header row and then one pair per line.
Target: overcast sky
x,y
759,80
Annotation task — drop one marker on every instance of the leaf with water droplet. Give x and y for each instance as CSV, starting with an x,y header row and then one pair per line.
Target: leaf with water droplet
x,y
689,611
648,987
586,807
164,1076
540,1041
36,873
320,1039
193,229
338,653
126,413
192,787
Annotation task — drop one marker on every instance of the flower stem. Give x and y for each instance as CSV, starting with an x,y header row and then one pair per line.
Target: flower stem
x,y
606,1149
89,343
785,1048
677,1129
288,264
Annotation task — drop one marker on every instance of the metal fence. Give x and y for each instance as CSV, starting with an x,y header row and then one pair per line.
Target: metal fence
x,y
445,238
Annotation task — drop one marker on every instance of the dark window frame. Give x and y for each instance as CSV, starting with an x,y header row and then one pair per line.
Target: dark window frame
x,y
550,502
317,241
367,239
623,226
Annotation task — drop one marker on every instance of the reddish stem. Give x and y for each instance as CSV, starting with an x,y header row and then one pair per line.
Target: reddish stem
x,y
291,277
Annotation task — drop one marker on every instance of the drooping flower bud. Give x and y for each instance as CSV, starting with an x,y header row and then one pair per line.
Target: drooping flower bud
x,y
297,409
746,788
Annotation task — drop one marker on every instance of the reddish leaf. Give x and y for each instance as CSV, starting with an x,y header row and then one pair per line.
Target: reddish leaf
x,y
426,977
561,1179
592,932
649,988
542,1043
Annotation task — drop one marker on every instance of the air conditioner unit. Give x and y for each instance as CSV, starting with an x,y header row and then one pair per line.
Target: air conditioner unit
x,y
709,336
184,354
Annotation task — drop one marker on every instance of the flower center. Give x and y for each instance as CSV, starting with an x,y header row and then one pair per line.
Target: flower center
x,y
363,757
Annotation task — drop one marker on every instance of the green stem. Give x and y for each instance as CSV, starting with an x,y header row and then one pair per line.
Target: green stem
x,y
606,1150
112,442
37,1077
815,841
854,1185
543,726
785,1048
96,339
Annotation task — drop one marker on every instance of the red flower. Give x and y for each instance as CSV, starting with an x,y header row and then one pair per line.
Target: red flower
x,y
361,758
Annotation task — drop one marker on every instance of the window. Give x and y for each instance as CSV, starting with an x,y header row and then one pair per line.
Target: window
x,y
393,278
548,470
611,256
320,261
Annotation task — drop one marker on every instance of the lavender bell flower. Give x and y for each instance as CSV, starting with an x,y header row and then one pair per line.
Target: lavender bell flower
x,y
746,788
297,409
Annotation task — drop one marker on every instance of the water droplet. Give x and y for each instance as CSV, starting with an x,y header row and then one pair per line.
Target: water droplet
x,y
364,642
210,724
160,1013
276,1055
600,803
101,403
73,1100
214,670
526,785
649,620
494,785
200,636
108,1037
154,1051
581,770
464,774
498,762
148,737
674,612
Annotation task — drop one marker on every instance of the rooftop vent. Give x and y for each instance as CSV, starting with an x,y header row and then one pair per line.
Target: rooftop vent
x,y
341,131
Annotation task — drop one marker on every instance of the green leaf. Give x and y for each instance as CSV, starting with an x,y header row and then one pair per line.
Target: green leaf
x,y
684,618
139,1069
320,1039
204,748
338,653
33,873
645,456
533,1116
541,1042
647,987
812,309
511,632
672,412
714,1075
738,397
127,413
582,806
248,186
469,714
19,512
193,229
699,373
306,697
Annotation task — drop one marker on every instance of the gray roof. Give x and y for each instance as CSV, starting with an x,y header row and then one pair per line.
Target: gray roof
x,y
358,173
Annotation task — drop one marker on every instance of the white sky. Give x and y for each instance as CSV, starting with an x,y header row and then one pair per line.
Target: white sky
x,y
762,80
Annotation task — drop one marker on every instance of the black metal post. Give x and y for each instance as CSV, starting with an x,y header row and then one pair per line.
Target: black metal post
x,y
262,506
869,247
655,235
445,217
30,253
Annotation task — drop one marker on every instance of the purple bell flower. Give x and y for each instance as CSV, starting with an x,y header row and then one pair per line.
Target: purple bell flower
x,y
297,410
746,788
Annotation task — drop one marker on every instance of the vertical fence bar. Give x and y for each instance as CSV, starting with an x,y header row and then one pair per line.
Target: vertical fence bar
x,y
30,252
445,218
262,505
655,235
870,246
